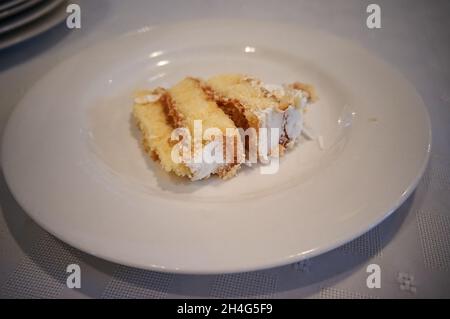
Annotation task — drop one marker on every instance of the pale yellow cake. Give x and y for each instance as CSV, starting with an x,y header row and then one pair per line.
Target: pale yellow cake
x,y
156,131
225,103
161,111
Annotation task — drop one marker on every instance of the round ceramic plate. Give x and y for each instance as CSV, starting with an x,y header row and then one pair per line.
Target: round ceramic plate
x,y
4,5
33,28
18,8
72,158
29,16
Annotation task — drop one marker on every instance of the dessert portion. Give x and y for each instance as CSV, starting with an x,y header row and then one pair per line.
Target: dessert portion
x,y
160,111
152,121
173,123
251,103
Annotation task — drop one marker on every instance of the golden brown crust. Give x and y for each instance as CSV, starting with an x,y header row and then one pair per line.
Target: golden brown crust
x,y
209,92
231,107
235,110
231,169
154,156
174,118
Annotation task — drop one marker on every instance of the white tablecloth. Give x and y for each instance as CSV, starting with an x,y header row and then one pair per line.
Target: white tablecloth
x,y
412,247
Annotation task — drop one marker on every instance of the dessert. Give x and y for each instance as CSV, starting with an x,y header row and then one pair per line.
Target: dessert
x,y
176,123
160,111
252,103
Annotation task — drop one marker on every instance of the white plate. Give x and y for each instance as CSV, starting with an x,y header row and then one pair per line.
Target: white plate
x,y
11,3
18,8
29,16
33,28
72,159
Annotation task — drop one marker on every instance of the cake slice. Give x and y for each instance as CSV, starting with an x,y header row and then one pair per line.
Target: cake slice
x,y
186,103
158,114
156,131
251,103
238,111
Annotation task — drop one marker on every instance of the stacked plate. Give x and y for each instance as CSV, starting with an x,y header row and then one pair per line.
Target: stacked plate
x,y
23,19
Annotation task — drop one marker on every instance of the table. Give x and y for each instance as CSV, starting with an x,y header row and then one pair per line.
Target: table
x,y
412,247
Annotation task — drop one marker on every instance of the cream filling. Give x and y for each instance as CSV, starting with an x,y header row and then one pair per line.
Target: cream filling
x,y
203,168
289,122
289,125
207,164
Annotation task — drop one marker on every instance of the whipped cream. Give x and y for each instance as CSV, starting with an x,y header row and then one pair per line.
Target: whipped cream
x,y
203,169
145,99
289,122
207,165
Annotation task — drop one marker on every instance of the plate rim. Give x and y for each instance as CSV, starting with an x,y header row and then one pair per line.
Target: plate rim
x,y
18,9
33,28
10,4
30,17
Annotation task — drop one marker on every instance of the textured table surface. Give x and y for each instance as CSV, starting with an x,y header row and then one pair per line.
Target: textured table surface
x,y
412,247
